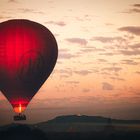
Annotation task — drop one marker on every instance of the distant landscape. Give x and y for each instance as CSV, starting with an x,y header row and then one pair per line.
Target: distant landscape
x,y
75,127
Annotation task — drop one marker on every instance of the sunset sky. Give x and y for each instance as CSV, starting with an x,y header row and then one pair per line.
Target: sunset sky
x,y
98,68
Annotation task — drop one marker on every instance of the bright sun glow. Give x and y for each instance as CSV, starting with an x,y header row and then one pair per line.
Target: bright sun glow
x,y
20,108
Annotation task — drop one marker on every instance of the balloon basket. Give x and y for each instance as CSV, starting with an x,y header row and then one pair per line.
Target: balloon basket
x,y
19,117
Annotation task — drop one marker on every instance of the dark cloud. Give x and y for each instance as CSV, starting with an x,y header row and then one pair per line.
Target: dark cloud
x,y
82,72
107,54
130,52
59,23
73,82
86,50
64,76
91,49
12,0
129,62
112,69
134,46
70,72
107,86
67,72
126,49
105,73
131,29
115,44
117,78
119,46
103,39
137,72
102,60
26,10
137,58
134,10
79,41
108,24
136,5
65,54
86,90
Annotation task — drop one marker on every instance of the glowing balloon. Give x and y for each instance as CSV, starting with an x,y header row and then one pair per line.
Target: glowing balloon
x,y
28,53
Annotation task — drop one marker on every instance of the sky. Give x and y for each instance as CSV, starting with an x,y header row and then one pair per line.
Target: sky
x,y
98,66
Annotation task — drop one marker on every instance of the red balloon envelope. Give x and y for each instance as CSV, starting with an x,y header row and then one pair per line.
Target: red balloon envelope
x,y
28,53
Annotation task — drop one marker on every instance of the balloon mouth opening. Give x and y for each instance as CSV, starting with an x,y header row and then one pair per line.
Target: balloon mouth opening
x,y
19,106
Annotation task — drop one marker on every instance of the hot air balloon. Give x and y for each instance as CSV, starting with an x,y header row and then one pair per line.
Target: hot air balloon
x,y
28,54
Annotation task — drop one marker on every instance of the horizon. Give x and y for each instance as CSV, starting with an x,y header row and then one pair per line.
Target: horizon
x,y
98,66
60,116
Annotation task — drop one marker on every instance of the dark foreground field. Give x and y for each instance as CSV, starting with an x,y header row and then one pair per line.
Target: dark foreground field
x,y
73,127
24,132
